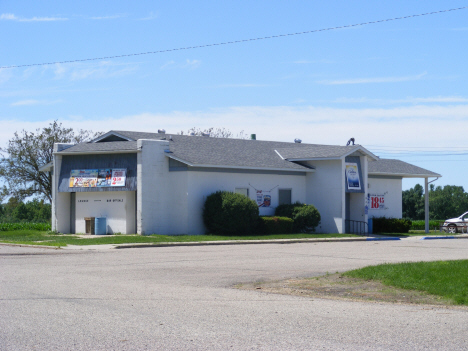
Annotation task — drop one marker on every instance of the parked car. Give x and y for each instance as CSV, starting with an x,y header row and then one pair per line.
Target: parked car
x,y
456,225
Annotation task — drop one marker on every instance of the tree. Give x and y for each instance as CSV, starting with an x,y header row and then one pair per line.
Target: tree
x,y
444,202
27,152
215,133
413,203
447,202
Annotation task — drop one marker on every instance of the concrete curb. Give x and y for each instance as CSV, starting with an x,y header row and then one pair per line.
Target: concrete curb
x,y
386,238
231,242
236,242
34,246
438,237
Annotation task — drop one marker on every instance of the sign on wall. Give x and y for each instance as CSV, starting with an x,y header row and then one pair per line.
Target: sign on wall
x,y
96,178
377,202
263,198
352,176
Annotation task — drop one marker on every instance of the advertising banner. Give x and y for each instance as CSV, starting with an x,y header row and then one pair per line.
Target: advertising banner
x,y
118,177
83,178
95,178
352,176
263,198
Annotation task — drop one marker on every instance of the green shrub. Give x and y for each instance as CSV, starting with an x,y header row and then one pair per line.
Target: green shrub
x,y
390,225
306,217
421,224
230,214
276,225
4,227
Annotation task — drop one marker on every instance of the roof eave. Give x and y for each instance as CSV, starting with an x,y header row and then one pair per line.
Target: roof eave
x,y
241,167
95,152
313,159
111,133
366,152
47,167
406,175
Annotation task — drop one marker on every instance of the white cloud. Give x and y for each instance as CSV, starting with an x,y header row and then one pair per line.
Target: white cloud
x,y
108,17
192,64
168,64
420,125
373,80
150,17
33,102
188,64
246,85
100,70
12,17
5,75
25,102
412,100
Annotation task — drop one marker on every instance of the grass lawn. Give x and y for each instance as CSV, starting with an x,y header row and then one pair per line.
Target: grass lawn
x,y
35,237
447,279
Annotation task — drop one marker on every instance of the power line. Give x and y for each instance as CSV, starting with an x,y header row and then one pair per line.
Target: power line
x,y
236,41
416,147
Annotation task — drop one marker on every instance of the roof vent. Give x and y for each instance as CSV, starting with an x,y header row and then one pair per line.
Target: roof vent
x,y
205,134
350,141
192,134
297,141
253,136
162,131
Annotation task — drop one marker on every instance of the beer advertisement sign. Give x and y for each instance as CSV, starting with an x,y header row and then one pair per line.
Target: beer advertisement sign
x,y
352,176
97,178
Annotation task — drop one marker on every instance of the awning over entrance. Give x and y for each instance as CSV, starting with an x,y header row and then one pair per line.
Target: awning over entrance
x,y
396,168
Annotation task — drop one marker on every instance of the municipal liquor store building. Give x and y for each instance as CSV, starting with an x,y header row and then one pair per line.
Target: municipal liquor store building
x,y
149,183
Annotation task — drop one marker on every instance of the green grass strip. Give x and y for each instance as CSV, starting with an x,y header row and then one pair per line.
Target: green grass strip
x,y
447,279
33,237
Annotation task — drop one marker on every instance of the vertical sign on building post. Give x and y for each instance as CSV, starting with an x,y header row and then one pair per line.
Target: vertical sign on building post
x,y
352,176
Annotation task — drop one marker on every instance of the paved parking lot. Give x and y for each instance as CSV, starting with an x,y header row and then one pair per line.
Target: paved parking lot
x,y
181,298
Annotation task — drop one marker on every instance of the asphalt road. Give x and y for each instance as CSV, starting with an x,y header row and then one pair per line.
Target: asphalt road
x,y
181,298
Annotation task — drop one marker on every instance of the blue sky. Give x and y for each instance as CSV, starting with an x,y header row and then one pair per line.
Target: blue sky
x,y
399,87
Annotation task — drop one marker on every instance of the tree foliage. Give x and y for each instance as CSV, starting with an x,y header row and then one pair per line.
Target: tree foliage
x,y
413,202
16,211
27,152
444,202
215,133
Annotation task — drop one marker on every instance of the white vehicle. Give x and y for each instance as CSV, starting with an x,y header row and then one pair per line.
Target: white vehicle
x,y
455,225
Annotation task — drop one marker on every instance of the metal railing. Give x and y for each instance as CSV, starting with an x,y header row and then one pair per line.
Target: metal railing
x,y
356,227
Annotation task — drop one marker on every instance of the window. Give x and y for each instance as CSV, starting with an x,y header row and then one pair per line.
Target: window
x,y
284,196
243,191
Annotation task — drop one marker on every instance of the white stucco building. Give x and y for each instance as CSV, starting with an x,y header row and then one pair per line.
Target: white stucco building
x,y
164,180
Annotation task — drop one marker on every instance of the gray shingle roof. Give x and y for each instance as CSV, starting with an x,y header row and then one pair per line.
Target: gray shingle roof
x,y
113,146
316,151
206,151
397,167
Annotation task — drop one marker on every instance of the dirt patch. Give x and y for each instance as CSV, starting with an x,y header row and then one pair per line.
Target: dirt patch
x,y
337,286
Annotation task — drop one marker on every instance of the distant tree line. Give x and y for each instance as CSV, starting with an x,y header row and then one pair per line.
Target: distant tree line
x,y
444,202
17,211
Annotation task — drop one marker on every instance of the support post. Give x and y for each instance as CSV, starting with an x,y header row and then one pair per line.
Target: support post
x,y
426,204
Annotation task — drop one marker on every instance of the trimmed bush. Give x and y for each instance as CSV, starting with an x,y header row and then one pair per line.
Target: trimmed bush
x,y
227,213
306,217
390,225
276,225
421,224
